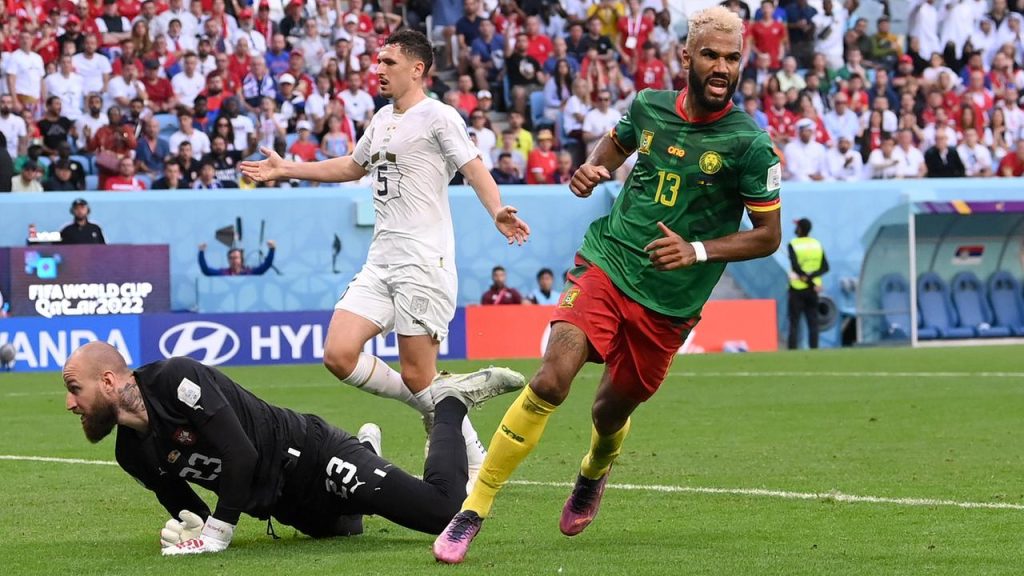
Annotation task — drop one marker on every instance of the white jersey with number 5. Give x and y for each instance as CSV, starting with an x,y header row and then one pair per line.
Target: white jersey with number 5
x,y
411,157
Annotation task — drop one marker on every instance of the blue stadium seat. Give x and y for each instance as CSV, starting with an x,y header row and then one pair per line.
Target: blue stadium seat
x,y
972,306
146,179
938,318
895,302
85,161
168,123
1007,304
92,182
537,110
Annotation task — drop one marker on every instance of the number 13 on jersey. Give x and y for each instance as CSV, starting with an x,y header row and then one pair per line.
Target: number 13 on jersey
x,y
668,188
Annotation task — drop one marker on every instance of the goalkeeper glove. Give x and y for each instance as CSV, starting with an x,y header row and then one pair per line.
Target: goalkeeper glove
x,y
176,532
215,537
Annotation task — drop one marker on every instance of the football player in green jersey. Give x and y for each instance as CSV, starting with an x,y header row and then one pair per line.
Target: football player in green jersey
x,y
644,271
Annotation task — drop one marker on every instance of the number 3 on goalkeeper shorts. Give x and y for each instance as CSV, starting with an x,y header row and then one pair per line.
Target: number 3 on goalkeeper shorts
x,y
668,188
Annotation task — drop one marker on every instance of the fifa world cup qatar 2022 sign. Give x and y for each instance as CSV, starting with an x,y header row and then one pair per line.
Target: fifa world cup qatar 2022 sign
x,y
86,280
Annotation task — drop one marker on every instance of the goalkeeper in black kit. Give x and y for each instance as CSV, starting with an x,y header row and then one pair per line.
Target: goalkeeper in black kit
x,y
180,422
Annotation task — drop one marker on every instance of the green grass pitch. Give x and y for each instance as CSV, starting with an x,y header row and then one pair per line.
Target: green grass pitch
x,y
938,424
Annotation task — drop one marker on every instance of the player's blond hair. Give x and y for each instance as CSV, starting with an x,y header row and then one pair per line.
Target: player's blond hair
x,y
716,18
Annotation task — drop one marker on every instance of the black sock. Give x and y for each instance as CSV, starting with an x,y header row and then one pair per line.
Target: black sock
x,y
446,465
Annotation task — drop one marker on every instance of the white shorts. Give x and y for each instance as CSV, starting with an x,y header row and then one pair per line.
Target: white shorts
x,y
410,299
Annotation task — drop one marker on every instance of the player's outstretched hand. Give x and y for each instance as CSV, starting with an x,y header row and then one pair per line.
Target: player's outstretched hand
x,y
586,178
177,531
511,226
670,251
263,170
215,537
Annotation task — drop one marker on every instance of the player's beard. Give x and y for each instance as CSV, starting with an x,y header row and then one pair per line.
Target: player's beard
x,y
694,81
100,423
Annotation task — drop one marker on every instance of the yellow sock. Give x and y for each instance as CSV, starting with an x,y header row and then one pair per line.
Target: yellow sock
x,y
518,433
603,451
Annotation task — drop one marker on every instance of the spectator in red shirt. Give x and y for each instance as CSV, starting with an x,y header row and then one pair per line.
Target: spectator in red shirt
x,y
1012,165
543,161
125,181
467,98
160,92
634,30
239,62
304,147
46,44
770,35
651,72
780,119
977,95
540,46
499,293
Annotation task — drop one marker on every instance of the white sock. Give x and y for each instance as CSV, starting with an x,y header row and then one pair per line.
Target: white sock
x,y
373,375
423,401
475,451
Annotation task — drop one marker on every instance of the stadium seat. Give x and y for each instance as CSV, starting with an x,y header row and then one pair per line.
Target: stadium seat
x,y
938,318
290,139
1007,304
92,182
896,306
85,161
145,179
972,306
168,123
537,118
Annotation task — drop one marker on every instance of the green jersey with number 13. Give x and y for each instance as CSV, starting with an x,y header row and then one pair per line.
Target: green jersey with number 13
x,y
696,178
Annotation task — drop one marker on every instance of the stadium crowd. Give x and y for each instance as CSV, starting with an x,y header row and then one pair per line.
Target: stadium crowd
x,y
128,95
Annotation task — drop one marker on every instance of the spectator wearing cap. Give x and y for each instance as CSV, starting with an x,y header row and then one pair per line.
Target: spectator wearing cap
x,y
246,29
358,102
73,33
25,71
151,149
575,43
199,141
258,84
61,179
350,31
278,56
81,230
303,82
176,10
305,148
54,127
843,162
294,19
364,24
158,90
28,179
805,156
543,161
504,171
484,101
600,119
125,180
290,103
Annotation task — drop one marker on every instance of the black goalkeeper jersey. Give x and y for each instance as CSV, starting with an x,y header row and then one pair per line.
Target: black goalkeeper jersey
x,y
206,429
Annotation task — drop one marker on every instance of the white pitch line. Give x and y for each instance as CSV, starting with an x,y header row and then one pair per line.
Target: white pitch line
x,y
753,492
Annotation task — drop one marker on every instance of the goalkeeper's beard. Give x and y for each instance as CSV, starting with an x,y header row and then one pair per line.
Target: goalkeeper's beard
x,y
99,424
